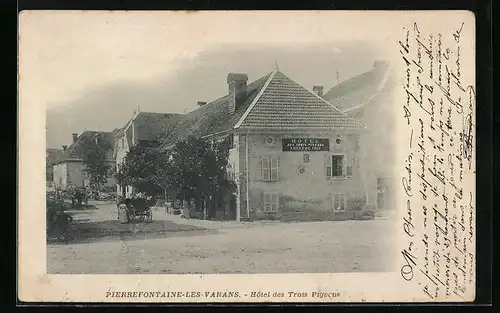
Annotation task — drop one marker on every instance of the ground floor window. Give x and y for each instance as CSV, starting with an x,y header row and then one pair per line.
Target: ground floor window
x,y
339,202
271,202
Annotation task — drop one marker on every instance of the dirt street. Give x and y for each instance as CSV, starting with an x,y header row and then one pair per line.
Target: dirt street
x,y
101,245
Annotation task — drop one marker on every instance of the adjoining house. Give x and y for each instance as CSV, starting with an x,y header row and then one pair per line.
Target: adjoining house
x,y
70,169
145,129
294,155
52,156
368,97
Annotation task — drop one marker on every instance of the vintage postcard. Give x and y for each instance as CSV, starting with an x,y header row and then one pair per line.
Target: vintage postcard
x,y
284,156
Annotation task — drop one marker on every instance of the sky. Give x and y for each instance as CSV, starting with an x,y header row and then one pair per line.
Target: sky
x,y
91,71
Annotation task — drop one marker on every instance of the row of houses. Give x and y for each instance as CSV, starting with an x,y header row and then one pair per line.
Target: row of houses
x,y
68,168
295,152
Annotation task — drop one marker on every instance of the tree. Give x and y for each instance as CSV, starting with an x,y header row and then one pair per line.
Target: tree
x,y
139,170
198,171
95,161
194,169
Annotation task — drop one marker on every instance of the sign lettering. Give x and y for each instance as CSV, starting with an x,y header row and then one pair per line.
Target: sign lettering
x,y
306,144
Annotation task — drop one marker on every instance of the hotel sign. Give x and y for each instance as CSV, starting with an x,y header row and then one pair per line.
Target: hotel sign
x,y
306,144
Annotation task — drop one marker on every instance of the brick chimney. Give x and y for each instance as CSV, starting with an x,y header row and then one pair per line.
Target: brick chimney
x,y
318,90
64,147
75,137
201,103
237,84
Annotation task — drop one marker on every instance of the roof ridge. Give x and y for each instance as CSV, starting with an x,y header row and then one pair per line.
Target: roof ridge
x,y
300,86
256,99
331,105
159,113
220,98
380,86
352,79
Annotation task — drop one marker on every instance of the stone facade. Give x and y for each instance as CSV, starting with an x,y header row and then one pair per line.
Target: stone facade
x,y
72,173
297,185
121,150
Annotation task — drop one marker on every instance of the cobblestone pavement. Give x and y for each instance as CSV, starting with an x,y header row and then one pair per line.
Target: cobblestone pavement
x,y
99,244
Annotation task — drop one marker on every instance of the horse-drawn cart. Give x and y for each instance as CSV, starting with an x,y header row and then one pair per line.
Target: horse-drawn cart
x,y
134,209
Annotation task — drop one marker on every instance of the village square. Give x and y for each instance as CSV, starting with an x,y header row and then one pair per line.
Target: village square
x,y
272,177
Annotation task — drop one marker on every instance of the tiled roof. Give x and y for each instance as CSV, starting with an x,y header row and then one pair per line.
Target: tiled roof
x,y
151,126
212,117
53,156
284,104
358,90
76,150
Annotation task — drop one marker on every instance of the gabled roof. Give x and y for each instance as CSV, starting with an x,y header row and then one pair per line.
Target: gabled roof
x,y
53,156
273,101
285,105
76,150
213,117
360,89
149,126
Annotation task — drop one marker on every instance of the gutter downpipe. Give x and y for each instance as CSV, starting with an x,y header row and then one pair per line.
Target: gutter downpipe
x,y
247,176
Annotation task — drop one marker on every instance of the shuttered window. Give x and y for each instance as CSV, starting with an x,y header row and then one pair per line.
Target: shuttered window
x,y
270,168
336,166
339,202
271,202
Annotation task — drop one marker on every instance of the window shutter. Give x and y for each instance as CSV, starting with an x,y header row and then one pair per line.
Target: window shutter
x,y
342,165
274,168
257,170
265,169
267,202
277,169
328,165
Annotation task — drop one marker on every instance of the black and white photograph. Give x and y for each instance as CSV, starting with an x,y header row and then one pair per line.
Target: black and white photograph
x,y
175,149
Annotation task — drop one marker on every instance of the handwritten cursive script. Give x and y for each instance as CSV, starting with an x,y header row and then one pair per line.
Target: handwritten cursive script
x,y
438,172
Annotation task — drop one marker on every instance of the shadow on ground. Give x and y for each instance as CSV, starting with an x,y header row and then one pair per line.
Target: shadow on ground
x,y
82,207
78,208
92,232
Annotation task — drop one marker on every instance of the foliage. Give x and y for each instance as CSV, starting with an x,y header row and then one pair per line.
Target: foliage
x,y
192,169
54,202
54,208
94,160
77,195
139,170
198,169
